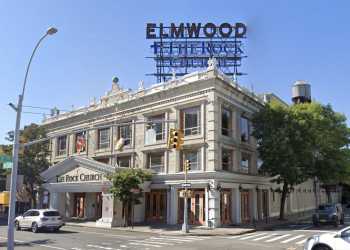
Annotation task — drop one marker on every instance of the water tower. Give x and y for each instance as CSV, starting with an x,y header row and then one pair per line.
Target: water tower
x,y
301,92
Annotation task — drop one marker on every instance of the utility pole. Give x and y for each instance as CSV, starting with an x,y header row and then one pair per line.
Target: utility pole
x,y
18,109
185,227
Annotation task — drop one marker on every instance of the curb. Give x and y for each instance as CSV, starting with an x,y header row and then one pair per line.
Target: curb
x,y
165,232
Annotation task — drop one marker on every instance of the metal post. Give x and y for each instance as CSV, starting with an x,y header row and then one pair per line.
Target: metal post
x,y
13,189
185,228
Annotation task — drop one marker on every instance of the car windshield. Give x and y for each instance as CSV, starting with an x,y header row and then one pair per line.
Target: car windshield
x,y
326,208
51,213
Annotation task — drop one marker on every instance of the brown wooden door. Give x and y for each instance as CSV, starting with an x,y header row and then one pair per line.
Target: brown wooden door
x,y
245,207
195,208
225,207
79,205
156,209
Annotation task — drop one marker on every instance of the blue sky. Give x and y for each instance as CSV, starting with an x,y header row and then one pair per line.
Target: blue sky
x,y
287,41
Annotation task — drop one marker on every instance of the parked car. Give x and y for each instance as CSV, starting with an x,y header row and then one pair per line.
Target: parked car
x,y
329,241
36,219
329,213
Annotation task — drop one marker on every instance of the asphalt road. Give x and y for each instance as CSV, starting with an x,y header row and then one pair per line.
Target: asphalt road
x,y
290,237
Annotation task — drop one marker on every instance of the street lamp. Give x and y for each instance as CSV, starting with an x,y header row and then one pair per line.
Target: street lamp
x,y
12,209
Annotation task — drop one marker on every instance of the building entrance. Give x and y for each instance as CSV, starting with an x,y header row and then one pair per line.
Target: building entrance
x,y
79,205
195,208
156,206
245,208
225,207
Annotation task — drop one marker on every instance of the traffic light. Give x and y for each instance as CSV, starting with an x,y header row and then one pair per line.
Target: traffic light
x,y
175,139
187,165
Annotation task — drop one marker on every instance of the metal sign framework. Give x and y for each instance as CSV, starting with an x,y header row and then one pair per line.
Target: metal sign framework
x,y
179,48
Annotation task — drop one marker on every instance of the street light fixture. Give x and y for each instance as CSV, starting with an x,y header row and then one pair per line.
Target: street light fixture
x,y
13,188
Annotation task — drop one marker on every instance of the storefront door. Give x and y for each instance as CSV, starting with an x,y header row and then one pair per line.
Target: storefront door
x,y
79,204
195,209
245,207
156,206
225,207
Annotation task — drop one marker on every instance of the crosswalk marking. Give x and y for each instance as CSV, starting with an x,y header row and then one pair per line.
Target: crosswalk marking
x,y
301,242
264,237
252,236
278,238
171,239
240,235
143,244
102,247
293,238
153,242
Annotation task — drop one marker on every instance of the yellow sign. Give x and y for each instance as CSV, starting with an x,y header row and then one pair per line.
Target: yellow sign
x,y
4,198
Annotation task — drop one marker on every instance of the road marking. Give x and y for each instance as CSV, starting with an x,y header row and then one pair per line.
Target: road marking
x,y
264,237
294,238
33,243
252,236
301,242
102,247
171,239
240,235
76,248
321,231
278,238
153,242
143,244
306,227
105,234
123,246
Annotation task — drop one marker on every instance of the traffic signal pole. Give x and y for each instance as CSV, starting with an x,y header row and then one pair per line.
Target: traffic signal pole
x,y
185,227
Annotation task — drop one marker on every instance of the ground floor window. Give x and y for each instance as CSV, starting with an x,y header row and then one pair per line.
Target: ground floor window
x,y
195,208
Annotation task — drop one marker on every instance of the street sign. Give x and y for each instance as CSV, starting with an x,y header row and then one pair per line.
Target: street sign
x,y
5,158
7,165
186,185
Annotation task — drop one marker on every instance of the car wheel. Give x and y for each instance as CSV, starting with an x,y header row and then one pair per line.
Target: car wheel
x,y
35,228
321,247
17,225
56,229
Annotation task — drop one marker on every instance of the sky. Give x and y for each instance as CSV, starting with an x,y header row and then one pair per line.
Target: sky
x,y
97,40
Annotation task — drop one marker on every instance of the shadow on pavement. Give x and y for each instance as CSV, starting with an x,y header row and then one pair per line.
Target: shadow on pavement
x,y
33,243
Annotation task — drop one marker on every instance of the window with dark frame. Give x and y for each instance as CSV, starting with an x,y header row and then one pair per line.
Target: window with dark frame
x,y
245,162
226,122
244,125
124,161
103,138
194,156
62,145
190,121
158,126
125,131
155,162
227,159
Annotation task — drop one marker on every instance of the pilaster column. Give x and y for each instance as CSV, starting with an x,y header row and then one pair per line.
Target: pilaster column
x,y
54,200
254,209
237,205
172,206
213,206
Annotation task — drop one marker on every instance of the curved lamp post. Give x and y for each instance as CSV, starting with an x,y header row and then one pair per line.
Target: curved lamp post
x,y
18,109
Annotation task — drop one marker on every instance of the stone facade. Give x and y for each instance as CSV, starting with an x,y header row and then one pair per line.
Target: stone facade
x,y
228,188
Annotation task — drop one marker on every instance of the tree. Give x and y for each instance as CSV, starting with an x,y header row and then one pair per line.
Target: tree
x,y
126,188
32,159
300,142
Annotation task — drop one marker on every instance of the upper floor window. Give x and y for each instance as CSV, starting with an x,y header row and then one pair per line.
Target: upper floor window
x,y
62,145
155,130
194,156
104,138
104,160
190,121
245,162
80,142
125,131
226,158
124,161
226,122
155,162
244,124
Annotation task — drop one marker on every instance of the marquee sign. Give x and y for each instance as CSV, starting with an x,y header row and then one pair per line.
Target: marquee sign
x,y
177,48
80,174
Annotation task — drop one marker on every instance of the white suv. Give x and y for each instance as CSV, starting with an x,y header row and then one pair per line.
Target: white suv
x,y
36,219
330,241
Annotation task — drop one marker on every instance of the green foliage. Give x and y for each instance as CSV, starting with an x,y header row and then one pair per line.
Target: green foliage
x,y
300,142
123,183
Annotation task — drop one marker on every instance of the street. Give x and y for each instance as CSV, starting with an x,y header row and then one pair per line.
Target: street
x,y
289,237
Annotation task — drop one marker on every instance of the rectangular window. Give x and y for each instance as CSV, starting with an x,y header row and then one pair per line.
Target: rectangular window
x,y
191,121
244,124
124,161
103,160
227,161
80,142
103,138
125,132
245,162
155,130
62,145
194,156
226,122
156,162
